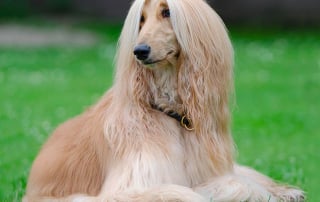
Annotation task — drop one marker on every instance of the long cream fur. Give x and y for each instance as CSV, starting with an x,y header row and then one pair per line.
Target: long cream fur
x,y
122,149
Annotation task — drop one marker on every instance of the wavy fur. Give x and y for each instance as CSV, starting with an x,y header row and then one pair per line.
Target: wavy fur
x,y
122,149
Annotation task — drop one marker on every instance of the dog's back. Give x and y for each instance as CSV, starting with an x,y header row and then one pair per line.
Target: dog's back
x,y
73,159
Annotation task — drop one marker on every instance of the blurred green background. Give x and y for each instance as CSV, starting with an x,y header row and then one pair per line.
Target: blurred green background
x,y
56,59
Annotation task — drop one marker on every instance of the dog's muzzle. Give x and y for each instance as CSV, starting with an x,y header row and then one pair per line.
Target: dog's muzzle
x,y
142,51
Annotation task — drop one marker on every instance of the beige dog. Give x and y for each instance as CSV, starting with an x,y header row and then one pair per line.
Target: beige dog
x,y
161,133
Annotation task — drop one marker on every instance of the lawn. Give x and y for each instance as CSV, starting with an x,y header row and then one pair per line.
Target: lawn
x,y
275,119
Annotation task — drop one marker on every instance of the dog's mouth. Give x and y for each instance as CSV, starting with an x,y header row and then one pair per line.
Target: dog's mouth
x,y
151,61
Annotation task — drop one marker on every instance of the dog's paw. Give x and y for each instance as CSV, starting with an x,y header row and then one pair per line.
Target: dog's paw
x,y
292,195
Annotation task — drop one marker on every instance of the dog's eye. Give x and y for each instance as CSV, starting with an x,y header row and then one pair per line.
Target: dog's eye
x,y
165,13
142,19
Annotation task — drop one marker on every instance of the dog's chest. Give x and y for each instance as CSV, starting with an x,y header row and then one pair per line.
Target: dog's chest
x,y
158,154
165,89
156,163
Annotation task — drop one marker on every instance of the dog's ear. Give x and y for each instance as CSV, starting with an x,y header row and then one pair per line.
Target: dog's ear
x,y
130,78
205,72
205,75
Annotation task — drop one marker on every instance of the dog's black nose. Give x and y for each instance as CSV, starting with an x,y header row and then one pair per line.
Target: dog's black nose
x,y
142,51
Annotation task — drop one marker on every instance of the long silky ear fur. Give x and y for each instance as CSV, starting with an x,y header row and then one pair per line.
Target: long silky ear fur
x,y
205,75
130,81
130,91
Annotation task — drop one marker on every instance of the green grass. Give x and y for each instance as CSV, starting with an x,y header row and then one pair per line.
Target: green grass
x,y
275,122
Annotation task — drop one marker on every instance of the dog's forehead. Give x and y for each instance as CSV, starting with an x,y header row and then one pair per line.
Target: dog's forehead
x,y
151,5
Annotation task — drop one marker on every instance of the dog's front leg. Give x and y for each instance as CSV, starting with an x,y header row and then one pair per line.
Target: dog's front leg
x,y
234,188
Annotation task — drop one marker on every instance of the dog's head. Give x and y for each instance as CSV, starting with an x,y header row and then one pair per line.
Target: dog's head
x,y
189,36
156,44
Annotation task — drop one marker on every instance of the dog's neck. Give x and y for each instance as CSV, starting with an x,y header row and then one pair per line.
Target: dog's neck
x,y
164,87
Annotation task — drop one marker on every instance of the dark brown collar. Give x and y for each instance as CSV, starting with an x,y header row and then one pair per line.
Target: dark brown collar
x,y
184,121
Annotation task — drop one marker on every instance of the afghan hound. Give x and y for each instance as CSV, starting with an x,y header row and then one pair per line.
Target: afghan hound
x,y
162,132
